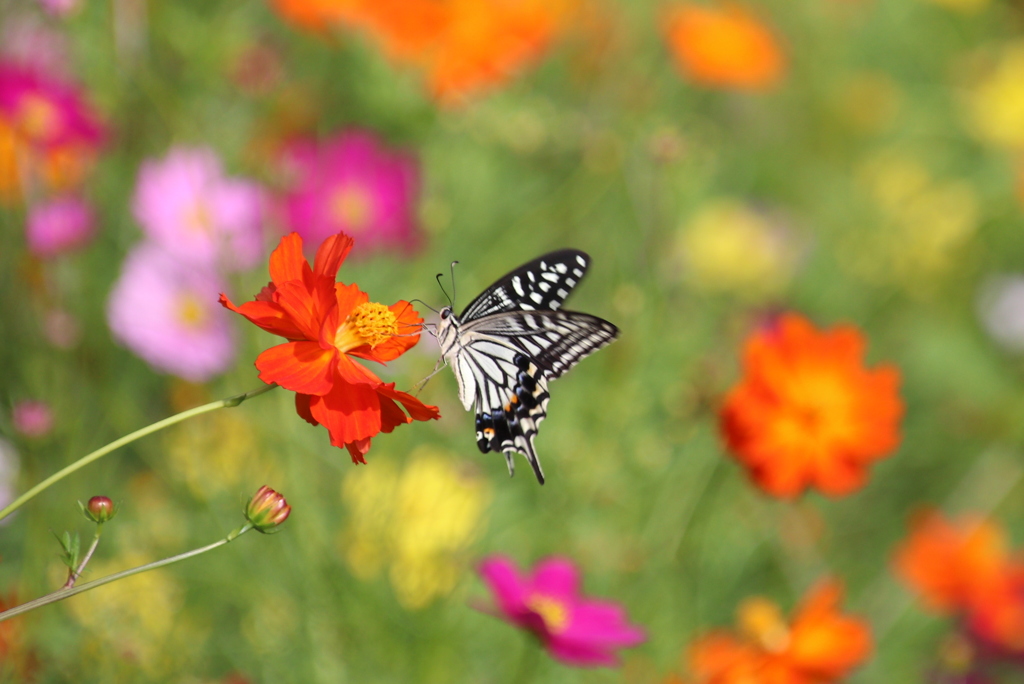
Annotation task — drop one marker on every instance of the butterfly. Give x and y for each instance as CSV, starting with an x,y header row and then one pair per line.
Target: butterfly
x,y
511,341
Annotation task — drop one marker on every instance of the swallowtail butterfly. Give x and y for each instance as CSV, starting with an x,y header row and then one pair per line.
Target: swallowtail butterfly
x,y
511,341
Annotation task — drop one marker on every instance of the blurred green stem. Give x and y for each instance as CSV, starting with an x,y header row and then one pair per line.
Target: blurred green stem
x,y
77,572
128,439
67,592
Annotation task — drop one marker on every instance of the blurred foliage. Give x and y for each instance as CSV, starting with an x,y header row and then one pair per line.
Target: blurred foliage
x,y
877,185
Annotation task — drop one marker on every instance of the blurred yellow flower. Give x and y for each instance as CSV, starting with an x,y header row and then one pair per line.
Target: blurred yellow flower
x,y
136,621
925,222
996,103
417,522
729,247
218,454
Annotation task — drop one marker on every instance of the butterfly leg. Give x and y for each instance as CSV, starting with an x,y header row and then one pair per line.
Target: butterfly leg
x,y
437,369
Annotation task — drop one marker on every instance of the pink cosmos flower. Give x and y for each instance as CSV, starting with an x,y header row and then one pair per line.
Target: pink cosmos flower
x,y
167,313
575,630
44,111
27,39
186,204
32,418
60,225
352,183
60,8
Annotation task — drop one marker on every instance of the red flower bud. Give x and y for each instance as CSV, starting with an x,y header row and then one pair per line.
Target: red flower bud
x,y
267,509
100,509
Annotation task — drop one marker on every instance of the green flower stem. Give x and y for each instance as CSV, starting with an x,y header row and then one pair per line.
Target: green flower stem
x,y
77,572
128,439
67,592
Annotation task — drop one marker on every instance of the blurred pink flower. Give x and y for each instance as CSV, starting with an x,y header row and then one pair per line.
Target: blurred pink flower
x,y
32,418
352,183
27,39
166,311
60,225
44,111
60,8
547,603
186,204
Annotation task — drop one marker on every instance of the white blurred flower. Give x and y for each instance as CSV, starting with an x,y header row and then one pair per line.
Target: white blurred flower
x,y
1001,310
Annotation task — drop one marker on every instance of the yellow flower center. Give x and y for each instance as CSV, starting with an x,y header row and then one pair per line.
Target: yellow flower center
x,y
38,117
198,219
370,323
191,312
761,622
351,206
554,613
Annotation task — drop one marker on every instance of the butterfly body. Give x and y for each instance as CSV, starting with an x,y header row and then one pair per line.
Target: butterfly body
x,y
511,341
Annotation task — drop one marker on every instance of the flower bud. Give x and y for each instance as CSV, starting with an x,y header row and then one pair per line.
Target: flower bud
x,y
100,509
267,509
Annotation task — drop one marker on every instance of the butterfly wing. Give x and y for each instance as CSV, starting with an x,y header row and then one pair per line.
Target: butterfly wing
x,y
541,284
503,366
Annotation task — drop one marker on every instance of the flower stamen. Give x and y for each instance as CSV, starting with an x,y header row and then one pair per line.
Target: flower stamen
x,y
370,323
553,612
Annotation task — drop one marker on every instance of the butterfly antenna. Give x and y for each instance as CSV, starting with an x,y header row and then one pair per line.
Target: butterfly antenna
x,y
452,269
424,304
439,276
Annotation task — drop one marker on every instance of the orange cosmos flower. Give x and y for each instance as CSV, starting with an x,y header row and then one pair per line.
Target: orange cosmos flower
x,y
807,412
819,647
964,567
326,325
723,47
461,45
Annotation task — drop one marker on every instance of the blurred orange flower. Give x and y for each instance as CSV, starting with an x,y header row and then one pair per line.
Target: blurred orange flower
x,y
461,45
724,47
807,412
820,646
965,567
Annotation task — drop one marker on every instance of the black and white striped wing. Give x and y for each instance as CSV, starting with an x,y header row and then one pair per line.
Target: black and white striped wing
x,y
541,284
554,340
503,366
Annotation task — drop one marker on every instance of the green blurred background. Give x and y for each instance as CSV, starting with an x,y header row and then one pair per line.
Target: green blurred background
x,y
868,187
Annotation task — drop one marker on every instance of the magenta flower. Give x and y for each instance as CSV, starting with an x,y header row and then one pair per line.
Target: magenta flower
x,y
57,226
186,204
547,603
353,184
167,312
44,111
32,418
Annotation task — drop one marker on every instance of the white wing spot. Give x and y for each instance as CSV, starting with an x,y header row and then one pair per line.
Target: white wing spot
x,y
561,293
548,275
531,276
537,297
517,285
544,286
561,268
577,272
581,260
570,282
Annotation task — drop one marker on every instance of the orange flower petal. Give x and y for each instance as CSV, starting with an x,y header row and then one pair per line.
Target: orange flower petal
x,y
302,408
295,300
354,373
288,263
416,408
824,642
349,412
267,315
330,255
298,366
